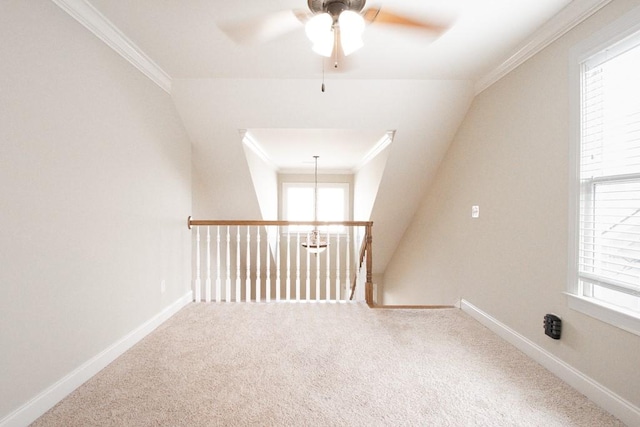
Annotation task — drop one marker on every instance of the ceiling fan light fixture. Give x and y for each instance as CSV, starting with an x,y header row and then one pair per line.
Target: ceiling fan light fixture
x,y
351,30
324,47
319,30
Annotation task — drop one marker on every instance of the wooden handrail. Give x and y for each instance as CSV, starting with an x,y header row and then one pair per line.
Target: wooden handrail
x,y
197,222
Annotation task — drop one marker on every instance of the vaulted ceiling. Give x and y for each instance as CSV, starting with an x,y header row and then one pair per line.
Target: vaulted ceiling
x,y
415,83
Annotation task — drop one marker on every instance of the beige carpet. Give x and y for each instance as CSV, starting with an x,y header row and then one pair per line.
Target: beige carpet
x,y
323,365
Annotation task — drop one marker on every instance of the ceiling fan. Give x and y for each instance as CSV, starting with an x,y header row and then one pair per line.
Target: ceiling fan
x,y
334,27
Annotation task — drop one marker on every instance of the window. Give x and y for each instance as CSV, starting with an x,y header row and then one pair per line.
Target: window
x,y
298,203
605,280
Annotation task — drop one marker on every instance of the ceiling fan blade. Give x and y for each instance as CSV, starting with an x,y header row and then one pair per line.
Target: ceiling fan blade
x,y
379,16
265,28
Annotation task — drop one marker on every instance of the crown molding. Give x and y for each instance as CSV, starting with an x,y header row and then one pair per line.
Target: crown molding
x,y
573,14
383,143
251,142
98,24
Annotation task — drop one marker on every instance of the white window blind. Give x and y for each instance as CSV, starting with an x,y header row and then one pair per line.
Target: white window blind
x,y
609,223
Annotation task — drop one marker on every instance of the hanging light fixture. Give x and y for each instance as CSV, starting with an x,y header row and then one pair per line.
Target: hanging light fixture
x,y
314,243
320,30
327,28
351,30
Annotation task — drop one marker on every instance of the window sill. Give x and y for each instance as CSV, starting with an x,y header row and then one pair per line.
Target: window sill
x,y
620,318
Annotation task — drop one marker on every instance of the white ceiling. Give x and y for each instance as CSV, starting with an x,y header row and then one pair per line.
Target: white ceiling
x,y
185,38
353,145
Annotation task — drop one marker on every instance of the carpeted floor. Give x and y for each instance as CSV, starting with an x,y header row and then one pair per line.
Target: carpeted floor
x,y
323,365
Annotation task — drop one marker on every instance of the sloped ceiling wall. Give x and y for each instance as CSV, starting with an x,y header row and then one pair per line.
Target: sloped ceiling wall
x,y
424,114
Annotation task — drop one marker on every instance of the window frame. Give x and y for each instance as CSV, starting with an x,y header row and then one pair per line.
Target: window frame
x,y
618,31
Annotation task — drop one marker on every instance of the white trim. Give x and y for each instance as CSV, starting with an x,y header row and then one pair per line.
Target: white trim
x,y
616,316
602,396
98,24
250,141
573,14
622,28
44,401
383,143
574,170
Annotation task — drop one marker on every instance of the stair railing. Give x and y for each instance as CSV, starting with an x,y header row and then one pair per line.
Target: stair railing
x,y
264,261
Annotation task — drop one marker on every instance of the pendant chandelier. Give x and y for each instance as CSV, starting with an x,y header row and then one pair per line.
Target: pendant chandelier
x,y
314,243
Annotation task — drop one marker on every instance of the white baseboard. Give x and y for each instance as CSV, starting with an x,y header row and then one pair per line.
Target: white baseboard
x,y
602,396
40,404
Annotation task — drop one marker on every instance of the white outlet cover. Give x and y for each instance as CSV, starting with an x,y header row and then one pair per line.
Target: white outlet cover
x,y
475,211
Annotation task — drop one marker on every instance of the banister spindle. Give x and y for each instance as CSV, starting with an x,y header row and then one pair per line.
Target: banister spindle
x,y
198,284
308,281
347,278
238,281
317,259
277,263
327,290
248,277
288,280
227,290
218,282
298,268
267,260
207,291
258,267
337,284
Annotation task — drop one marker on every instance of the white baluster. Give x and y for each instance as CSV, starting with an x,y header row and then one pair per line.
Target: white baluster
x,y
338,296
317,259
248,278
258,267
308,282
207,290
298,269
362,268
327,290
268,270
288,281
218,282
198,284
238,282
278,263
347,279
227,291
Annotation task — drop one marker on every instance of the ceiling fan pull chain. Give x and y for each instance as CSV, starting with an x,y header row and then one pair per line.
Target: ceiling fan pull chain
x,y
336,30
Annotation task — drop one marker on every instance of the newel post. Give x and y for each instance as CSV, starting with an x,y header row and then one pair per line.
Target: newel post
x,y
369,284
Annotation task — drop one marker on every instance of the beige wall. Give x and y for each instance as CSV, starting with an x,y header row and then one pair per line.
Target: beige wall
x,y
366,183
95,189
265,184
511,157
